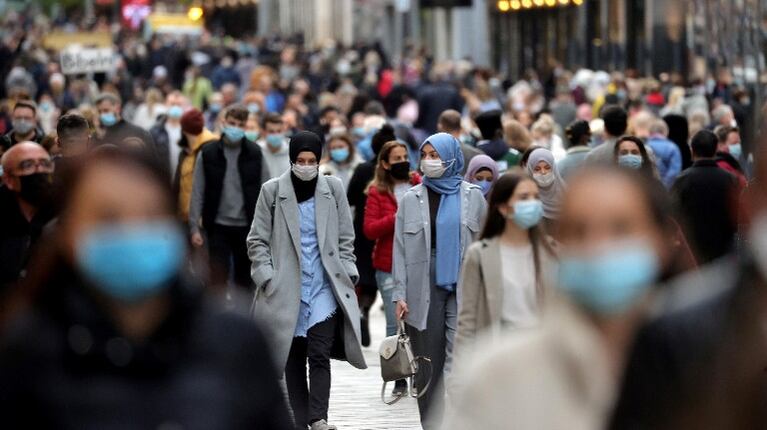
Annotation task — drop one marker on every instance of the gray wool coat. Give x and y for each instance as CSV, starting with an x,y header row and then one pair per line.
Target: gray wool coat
x,y
412,246
274,249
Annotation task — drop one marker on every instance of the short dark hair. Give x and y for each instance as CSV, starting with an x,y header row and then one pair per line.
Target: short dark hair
x,y
108,97
327,109
238,112
647,163
71,123
450,121
271,118
704,144
374,107
26,104
722,131
615,118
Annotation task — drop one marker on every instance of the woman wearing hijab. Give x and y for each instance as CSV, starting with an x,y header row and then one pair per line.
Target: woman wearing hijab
x,y
435,223
482,172
543,169
301,247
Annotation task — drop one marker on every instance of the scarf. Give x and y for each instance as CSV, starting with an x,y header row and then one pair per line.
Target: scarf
x,y
551,195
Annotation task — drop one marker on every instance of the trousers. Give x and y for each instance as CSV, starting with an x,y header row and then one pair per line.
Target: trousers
x,y
227,247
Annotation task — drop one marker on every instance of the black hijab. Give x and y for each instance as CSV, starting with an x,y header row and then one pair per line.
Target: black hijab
x,y
300,142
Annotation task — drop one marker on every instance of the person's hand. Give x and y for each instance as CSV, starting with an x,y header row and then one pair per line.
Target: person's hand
x,y
402,310
197,240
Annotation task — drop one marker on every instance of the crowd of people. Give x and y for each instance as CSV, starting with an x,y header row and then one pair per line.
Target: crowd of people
x,y
186,236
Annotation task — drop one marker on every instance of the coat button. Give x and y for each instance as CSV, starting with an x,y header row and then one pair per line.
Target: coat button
x,y
348,296
331,253
338,275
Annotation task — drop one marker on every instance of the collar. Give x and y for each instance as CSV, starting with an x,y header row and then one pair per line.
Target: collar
x,y
578,149
705,163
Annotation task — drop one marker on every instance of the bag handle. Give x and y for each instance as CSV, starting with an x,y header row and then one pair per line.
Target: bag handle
x,y
421,392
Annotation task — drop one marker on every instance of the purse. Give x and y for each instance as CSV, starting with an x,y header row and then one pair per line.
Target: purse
x,y
398,362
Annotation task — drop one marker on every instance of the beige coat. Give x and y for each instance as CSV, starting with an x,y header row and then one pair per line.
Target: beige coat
x,y
552,378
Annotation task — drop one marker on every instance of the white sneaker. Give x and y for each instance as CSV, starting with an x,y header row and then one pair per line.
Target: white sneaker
x,y
323,425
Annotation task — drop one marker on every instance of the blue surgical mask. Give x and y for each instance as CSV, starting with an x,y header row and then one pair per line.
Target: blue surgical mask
x,y
610,281
131,262
215,107
275,140
108,119
339,155
485,185
251,135
234,134
527,213
359,132
253,107
736,150
631,161
175,112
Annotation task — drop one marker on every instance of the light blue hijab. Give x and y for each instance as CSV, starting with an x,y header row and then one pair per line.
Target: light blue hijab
x,y
448,229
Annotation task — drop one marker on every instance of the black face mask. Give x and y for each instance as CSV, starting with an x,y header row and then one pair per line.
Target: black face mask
x,y
36,188
401,170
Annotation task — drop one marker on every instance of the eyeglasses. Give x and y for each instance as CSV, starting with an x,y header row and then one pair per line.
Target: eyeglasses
x,y
27,167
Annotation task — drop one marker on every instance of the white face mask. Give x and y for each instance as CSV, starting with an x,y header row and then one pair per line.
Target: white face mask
x,y
544,180
305,173
758,236
433,168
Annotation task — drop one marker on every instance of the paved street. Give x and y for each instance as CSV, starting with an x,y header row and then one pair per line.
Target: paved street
x,y
355,399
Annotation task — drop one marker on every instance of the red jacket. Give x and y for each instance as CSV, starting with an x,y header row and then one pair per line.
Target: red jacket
x,y
380,214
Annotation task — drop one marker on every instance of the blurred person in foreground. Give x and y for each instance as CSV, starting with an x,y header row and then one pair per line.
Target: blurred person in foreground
x,y
108,332
705,199
699,363
25,207
613,248
301,248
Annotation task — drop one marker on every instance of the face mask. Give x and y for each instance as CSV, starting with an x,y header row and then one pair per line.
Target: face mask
x,y
233,134
22,126
358,132
527,213
630,161
610,281
35,188
400,171
46,106
544,180
214,107
275,140
433,168
339,155
251,135
131,263
175,112
736,150
108,119
484,185
254,108
305,173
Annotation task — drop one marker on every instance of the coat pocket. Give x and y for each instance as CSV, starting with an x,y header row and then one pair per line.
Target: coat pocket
x,y
414,238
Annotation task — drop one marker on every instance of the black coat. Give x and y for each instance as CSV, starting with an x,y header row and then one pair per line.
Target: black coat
x,y
705,200
122,130
64,365
356,193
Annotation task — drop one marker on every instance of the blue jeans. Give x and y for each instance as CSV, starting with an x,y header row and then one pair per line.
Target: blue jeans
x,y
385,282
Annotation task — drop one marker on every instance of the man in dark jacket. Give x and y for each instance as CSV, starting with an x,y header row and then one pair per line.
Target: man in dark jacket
x,y
705,199
492,143
114,129
24,207
228,175
166,133
24,126
435,98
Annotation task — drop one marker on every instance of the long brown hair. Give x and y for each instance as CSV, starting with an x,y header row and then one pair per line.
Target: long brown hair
x,y
495,223
383,180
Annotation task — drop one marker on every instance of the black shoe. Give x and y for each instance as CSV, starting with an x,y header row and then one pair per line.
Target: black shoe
x,y
365,330
400,388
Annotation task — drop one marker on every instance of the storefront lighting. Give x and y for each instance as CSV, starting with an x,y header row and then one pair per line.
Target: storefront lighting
x,y
195,13
551,3
516,5
527,4
503,5
538,2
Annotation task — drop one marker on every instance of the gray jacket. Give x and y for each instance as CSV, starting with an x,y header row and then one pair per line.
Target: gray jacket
x,y
274,248
412,246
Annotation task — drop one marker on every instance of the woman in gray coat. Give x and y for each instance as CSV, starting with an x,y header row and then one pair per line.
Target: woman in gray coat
x,y
301,247
435,223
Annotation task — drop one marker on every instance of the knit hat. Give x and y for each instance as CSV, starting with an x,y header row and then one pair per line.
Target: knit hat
x,y
305,141
192,122
383,135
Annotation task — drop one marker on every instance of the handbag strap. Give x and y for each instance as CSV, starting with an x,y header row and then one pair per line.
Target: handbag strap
x,y
421,391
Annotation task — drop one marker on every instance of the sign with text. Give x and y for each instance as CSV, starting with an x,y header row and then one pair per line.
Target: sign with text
x,y
86,60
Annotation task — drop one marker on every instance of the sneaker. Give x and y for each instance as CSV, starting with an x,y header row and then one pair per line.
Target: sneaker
x,y
414,391
400,388
323,425
365,332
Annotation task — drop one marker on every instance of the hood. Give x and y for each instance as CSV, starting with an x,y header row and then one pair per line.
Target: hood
x,y
205,136
495,149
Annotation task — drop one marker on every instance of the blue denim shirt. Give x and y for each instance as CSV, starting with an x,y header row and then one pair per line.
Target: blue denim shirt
x,y
317,300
